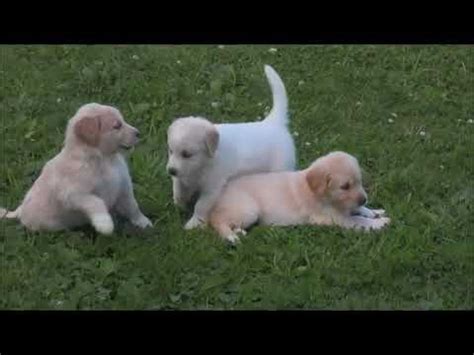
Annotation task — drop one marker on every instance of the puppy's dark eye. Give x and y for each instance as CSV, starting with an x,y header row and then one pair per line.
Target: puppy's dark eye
x,y
345,186
185,154
118,125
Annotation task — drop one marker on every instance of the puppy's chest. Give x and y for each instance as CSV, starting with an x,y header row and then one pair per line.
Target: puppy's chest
x,y
109,184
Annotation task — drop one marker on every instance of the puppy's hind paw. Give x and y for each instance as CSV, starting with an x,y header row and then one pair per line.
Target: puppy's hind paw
x,y
232,239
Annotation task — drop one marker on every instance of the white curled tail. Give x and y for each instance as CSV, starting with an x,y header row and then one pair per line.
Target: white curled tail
x,y
9,214
279,112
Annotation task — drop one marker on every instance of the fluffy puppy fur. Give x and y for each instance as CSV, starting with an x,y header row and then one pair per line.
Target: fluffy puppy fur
x,y
87,180
203,155
329,192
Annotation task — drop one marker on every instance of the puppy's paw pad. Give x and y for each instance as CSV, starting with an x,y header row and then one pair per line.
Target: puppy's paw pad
x,y
193,223
103,223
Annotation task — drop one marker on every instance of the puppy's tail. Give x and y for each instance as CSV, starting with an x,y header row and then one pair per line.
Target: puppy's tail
x,y
279,112
9,214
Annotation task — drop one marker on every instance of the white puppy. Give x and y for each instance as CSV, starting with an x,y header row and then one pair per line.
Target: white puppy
x,y
203,155
329,192
88,179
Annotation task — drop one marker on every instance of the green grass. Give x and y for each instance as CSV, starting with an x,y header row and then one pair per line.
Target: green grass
x,y
404,111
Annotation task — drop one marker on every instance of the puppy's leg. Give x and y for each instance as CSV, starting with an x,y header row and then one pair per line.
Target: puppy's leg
x,y
365,223
9,214
127,206
95,209
369,213
203,207
181,194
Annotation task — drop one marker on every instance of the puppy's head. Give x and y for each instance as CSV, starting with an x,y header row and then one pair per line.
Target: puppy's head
x,y
192,143
336,179
101,127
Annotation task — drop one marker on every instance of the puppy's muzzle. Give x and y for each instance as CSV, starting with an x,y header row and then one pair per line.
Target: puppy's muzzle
x,y
132,142
172,171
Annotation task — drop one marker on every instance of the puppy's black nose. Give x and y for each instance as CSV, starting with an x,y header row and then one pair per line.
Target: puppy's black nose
x,y
362,200
172,171
137,134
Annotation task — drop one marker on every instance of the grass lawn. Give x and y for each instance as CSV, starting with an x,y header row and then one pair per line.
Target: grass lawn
x,y
406,112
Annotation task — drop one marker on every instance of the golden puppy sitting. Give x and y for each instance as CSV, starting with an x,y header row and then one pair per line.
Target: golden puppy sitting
x,y
87,180
329,192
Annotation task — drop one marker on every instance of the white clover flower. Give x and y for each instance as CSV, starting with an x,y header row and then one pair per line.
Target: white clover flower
x,y
470,120
221,46
394,114
301,82
178,62
58,100
135,57
422,133
390,120
296,134
214,104
273,50
307,144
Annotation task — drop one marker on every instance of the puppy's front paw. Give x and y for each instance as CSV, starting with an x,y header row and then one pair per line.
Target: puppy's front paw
x,y
194,222
103,223
379,213
379,223
142,222
369,213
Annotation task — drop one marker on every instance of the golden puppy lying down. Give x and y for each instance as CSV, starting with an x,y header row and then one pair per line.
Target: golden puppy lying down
x,y
329,192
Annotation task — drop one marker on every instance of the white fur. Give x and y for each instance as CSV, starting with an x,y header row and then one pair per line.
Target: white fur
x,y
87,180
103,223
222,151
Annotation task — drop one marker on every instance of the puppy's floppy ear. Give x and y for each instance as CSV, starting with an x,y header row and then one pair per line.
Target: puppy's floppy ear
x,y
87,129
212,141
318,179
